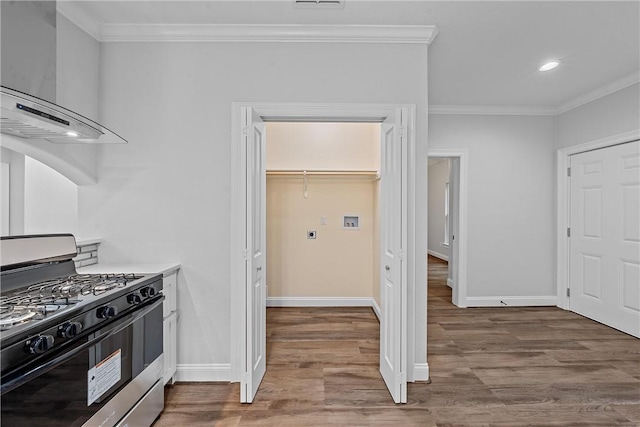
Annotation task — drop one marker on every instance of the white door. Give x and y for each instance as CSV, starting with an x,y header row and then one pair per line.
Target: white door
x,y
604,277
256,290
393,199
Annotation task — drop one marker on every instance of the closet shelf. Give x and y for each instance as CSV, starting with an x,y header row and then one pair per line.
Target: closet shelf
x,y
322,172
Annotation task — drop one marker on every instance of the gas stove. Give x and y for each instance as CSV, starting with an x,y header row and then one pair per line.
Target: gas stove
x,y
45,305
95,339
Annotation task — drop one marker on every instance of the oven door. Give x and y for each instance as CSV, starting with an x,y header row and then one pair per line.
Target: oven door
x,y
91,383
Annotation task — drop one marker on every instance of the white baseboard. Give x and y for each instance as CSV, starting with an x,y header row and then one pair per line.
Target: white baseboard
x,y
319,302
204,372
550,300
421,372
376,309
438,255
450,283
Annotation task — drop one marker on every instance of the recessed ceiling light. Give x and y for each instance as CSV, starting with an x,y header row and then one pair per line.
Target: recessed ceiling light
x,y
549,66
70,133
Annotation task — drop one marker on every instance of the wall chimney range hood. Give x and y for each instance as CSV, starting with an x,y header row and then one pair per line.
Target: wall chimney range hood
x,y
28,89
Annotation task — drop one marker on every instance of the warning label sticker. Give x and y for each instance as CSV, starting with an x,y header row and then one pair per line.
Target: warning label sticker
x,y
103,376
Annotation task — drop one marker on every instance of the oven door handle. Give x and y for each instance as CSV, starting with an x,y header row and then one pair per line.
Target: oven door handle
x,y
60,359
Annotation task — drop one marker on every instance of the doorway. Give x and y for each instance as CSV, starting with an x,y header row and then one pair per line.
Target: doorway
x,y
249,248
450,208
322,214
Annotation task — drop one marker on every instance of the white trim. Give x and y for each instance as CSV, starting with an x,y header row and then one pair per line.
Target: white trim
x,y
506,110
318,111
562,206
450,282
203,372
376,309
599,93
438,255
421,372
499,110
259,33
238,297
460,291
524,301
319,302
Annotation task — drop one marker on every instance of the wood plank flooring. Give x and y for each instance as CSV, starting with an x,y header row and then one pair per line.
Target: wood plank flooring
x,y
489,366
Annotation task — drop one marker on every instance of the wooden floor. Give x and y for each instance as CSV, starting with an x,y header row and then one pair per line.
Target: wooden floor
x,y
489,366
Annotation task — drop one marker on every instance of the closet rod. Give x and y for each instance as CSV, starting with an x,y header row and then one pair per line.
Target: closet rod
x,y
319,172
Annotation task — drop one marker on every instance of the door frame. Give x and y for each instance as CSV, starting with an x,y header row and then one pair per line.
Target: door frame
x,y
459,290
563,203
328,112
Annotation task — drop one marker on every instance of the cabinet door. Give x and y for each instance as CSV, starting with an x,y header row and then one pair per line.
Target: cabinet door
x,y
166,375
170,348
169,290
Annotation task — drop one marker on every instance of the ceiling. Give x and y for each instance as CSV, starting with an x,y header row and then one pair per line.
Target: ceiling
x,y
485,55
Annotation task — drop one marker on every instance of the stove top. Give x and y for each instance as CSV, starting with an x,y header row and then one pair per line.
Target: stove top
x,y
40,300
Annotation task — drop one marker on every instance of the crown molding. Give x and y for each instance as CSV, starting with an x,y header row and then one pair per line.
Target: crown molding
x,y
412,34
608,89
599,93
492,110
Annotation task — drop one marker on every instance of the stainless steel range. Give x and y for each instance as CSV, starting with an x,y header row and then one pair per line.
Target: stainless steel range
x,y
76,349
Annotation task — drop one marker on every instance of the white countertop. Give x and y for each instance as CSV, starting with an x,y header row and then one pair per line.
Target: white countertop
x,y
165,268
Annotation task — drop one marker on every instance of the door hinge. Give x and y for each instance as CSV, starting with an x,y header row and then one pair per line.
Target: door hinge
x,y
403,132
245,254
568,292
246,130
401,255
568,171
568,232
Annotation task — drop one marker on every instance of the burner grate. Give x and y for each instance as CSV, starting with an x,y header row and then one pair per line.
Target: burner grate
x,y
36,301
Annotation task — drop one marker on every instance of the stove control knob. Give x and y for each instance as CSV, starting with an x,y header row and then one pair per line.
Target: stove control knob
x,y
69,329
148,292
134,298
106,312
38,344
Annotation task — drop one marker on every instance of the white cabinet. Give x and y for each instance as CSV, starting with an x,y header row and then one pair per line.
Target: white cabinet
x,y
169,285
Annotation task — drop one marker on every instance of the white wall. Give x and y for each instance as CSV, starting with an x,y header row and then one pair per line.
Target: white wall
x,y
166,195
613,114
510,202
50,200
16,189
438,177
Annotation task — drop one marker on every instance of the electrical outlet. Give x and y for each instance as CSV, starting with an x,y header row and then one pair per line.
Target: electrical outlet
x,y
311,234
